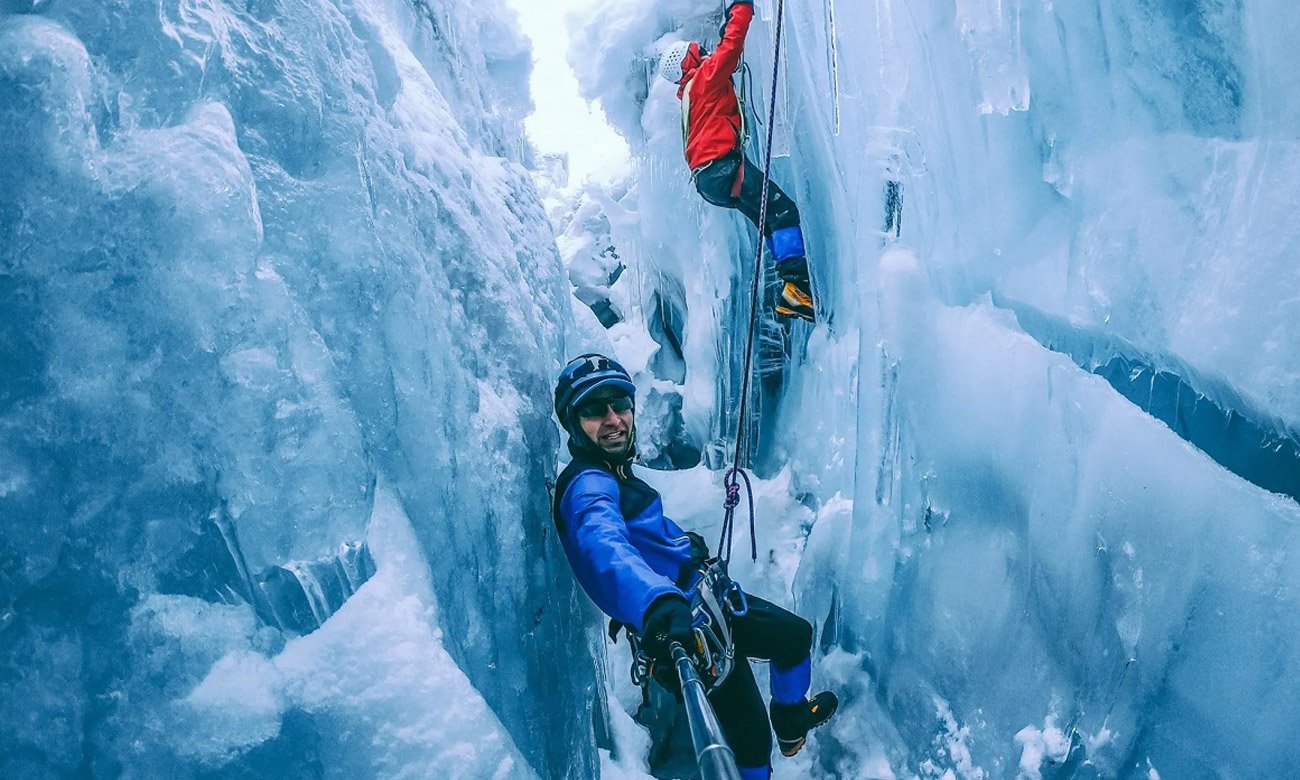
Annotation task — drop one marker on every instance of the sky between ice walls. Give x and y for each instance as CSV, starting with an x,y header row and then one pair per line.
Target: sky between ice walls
x,y
1043,441
279,313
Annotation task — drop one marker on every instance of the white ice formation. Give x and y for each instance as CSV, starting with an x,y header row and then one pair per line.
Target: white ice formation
x,y
281,305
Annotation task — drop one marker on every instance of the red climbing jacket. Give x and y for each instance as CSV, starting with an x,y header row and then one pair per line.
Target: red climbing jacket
x,y
713,114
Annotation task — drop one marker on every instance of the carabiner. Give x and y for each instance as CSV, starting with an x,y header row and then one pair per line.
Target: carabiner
x,y
736,601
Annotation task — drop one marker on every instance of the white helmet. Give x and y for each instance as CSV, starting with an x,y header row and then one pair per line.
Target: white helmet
x,y
670,62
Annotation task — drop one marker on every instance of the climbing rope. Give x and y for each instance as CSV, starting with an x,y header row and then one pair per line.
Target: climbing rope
x,y
733,501
735,472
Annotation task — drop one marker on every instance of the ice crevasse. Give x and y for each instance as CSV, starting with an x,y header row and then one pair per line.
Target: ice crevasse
x,y
280,306
1039,457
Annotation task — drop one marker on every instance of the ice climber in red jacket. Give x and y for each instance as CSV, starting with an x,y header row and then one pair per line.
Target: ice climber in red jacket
x,y
724,176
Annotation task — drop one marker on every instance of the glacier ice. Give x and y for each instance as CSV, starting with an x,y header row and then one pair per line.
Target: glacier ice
x,y
280,305
254,259
1054,245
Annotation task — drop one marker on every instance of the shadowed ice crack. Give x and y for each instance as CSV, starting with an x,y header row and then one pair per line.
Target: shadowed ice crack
x,y
295,596
1207,412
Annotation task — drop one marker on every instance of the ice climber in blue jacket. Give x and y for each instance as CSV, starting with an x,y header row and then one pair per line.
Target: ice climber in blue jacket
x,y
639,567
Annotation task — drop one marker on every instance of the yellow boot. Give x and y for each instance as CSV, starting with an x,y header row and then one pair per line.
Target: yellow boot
x,y
795,302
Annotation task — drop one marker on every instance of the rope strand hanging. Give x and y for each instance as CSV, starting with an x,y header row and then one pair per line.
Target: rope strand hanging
x,y
736,472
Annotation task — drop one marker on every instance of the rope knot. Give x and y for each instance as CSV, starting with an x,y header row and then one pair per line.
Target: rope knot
x,y
732,481
733,496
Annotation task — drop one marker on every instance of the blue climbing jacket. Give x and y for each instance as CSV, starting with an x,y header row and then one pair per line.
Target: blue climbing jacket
x,y
622,549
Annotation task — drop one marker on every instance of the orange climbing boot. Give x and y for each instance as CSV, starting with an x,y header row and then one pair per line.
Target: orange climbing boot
x,y
796,303
792,722
796,294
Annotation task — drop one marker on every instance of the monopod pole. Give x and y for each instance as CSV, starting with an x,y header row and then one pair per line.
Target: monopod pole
x,y
712,753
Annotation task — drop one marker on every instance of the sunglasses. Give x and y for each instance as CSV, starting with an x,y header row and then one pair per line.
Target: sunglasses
x,y
596,408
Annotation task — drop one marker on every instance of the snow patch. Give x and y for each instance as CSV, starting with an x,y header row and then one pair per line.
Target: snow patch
x,y
1049,743
952,743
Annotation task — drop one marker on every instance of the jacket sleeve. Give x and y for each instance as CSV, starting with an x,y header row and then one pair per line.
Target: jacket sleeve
x,y
607,565
726,58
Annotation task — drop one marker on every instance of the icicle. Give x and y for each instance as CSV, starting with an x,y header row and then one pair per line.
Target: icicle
x,y
782,148
311,589
833,51
349,563
251,592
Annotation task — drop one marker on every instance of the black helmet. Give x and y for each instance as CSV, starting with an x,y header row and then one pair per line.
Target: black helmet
x,y
583,376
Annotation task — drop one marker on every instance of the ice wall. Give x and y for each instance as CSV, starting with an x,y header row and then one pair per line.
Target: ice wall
x,y
257,260
1022,559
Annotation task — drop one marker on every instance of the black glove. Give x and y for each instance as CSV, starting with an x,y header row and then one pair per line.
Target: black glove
x,y
699,548
722,31
667,620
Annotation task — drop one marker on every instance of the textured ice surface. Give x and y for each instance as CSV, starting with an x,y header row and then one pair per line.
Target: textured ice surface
x,y
276,268
256,258
1033,437
369,693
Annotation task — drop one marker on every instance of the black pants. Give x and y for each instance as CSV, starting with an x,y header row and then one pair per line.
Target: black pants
x,y
717,181
767,632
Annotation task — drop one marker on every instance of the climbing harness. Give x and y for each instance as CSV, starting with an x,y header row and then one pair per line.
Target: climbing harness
x,y
715,599
735,472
